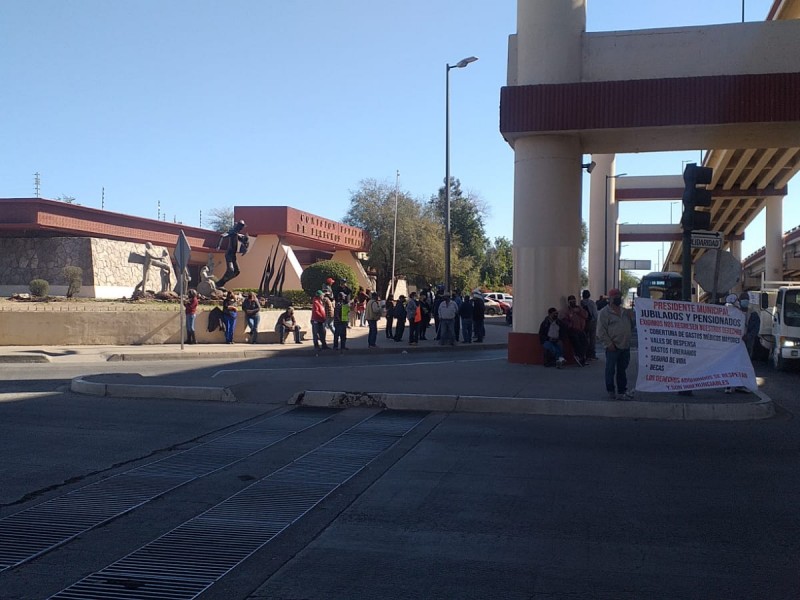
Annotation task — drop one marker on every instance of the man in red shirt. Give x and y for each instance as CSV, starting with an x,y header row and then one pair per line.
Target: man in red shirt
x,y
318,317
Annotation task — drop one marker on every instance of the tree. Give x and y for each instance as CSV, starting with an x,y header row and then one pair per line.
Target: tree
x,y
498,265
314,276
74,277
420,250
628,280
221,219
466,219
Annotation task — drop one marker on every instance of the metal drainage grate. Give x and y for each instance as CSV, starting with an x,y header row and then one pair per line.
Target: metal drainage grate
x,y
32,532
184,562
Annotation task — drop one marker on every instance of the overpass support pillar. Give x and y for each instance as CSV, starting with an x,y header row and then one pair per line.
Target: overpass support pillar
x,y
547,176
773,253
603,216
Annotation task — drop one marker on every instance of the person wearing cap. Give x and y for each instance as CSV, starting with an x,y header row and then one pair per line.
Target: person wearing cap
x,y
318,318
614,329
341,313
400,318
342,287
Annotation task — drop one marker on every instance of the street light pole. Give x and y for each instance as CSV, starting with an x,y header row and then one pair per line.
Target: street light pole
x,y
394,237
605,235
459,65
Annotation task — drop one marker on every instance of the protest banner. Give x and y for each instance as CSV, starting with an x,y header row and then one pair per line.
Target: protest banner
x,y
691,346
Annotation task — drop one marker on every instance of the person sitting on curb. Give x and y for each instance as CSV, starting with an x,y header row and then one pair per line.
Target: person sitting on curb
x,y
230,311
252,308
286,323
551,332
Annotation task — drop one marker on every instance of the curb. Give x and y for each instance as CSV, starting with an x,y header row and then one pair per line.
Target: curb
x,y
24,358
307,351
763,408
79,385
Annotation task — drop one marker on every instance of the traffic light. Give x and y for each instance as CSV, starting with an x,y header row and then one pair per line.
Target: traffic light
x,y
693,197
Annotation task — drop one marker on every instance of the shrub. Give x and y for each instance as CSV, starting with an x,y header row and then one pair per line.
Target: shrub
x,y
39,288
296,297
74,277
314,276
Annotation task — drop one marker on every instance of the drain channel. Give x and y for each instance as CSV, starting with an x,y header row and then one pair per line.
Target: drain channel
x,y
184,562
34,531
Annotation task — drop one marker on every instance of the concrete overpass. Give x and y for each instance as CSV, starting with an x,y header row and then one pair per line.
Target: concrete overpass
x,y
570,93
746,180
754,265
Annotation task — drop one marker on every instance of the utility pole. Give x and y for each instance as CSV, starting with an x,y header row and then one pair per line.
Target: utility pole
x,y
394,236
37,185
103,199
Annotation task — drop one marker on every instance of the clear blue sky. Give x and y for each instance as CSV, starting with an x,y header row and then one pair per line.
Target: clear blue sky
x,y
201,105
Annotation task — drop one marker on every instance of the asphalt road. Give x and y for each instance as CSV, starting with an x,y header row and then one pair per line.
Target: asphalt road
x,y
461,506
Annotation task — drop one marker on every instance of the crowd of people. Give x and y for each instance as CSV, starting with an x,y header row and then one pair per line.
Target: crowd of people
x,y
585,323
447,317
336,308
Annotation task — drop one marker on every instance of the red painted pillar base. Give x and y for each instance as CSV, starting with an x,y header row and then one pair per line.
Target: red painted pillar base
x,y
525,348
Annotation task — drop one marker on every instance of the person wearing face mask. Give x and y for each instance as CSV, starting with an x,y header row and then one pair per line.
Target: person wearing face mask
x,y
614,328
750,330
575,319
551,333
752,324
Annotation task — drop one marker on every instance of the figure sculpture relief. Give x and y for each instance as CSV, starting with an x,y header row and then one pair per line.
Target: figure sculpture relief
x,y
161,262
207,286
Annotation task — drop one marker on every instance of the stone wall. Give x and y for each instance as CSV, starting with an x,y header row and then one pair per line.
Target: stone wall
x,y
106,264
24,259
136,327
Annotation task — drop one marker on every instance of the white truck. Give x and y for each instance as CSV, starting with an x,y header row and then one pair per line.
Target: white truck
x,y
778,305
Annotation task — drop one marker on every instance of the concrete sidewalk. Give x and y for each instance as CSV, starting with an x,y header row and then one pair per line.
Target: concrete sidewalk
x,y
496,337
482,380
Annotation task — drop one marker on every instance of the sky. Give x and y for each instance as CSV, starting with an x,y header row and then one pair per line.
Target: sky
x,y
169,109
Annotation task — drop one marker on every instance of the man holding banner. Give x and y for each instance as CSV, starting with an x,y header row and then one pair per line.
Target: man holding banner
x,y
689,346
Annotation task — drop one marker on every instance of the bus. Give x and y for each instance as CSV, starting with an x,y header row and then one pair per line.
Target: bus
x,y
661,285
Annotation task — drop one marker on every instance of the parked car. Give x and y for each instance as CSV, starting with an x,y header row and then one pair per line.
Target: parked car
x,y
500,297
492,307
505,306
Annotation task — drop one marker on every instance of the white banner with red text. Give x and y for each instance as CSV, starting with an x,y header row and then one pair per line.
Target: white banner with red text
x,y
691,346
